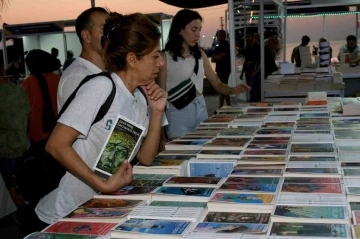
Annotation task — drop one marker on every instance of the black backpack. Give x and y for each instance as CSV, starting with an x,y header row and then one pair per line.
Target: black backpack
x,y
38,175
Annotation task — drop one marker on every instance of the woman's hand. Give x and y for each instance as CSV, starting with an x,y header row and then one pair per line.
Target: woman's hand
x,y
156,96
119,179
240,89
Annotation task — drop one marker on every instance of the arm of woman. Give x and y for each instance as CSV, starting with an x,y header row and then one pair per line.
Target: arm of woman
x,y
60,147
157,99
217,84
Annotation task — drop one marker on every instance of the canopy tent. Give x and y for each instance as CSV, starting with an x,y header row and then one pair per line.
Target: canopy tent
x,y
194,3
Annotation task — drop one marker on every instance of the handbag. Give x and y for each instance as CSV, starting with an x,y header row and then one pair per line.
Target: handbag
x,y
185,92
39,174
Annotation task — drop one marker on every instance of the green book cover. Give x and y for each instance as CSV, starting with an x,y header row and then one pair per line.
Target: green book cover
x,y
324,212
311,230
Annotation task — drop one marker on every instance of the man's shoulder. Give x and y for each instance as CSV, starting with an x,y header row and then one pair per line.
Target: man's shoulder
x,y
80,68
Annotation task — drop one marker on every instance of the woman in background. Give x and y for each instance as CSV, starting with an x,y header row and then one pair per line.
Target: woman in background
x,y
182,76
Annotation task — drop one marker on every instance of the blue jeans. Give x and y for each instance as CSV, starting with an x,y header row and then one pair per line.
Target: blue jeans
x,y
187,119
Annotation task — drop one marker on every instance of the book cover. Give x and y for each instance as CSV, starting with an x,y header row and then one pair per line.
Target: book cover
x,y
173,157
152,176
274,131
264,188
259,171
255,152
312,148
313,170
44,235
292,180
323,212
121,145
198,169
237,217
146,183
275,160
311,230
159,227
351,172
356,231
110,203
191,153
185,191
177,204
98,213
332,188
271,138
252,180
163,163
313,158
267,146
131,190
82,228
221,152
356,216
353,190
194,180
227,228
227,142
243,198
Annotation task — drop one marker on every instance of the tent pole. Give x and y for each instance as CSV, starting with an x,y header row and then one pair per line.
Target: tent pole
x,y
323,30
232,42
226,20
357,25
5,56
285,29
92,3
262,49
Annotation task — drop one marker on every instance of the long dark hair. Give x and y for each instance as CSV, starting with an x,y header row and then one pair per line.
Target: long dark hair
x,y
175,40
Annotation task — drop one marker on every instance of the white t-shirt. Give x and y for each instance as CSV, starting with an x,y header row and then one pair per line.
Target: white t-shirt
x,y
72,192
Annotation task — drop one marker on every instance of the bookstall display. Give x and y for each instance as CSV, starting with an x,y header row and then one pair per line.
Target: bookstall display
x,y
253,170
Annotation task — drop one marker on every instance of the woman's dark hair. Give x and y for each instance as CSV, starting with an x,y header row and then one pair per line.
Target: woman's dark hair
x,y
127,33
39,61
175,40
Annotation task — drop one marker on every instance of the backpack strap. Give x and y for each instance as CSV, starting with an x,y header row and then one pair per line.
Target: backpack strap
x,y
196,68
48,114
104,108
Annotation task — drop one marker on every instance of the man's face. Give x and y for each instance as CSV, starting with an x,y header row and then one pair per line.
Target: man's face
x,y
97,21
351,44
249,38
221,36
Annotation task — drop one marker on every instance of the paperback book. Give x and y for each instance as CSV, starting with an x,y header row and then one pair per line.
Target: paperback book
x,y
121,144
329,188
130,192
237,217
194,182
200,168
234,228
248,188
81,228
45,235
191,194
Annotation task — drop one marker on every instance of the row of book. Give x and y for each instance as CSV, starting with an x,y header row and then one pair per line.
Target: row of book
x,y
252,171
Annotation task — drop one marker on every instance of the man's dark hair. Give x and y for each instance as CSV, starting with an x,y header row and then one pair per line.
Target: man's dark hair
x,y
351,38
84,19
305,40
54,51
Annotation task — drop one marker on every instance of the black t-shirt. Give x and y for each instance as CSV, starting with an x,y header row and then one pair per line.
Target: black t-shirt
x,y
223,65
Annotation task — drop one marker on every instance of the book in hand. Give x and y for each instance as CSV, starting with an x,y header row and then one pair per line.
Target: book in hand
x,y
143,228
237,217
45,235
308,230
81,228
192,214
311,214
122,144
194,182
233,228
190,194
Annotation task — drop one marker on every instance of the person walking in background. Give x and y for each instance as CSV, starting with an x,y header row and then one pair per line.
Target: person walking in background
x,y
352,48
57,63
69,59
295,56
41,87
183,75
14,115
223,67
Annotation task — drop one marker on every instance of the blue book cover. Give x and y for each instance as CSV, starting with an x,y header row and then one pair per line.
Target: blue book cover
x,y
215,227
221,170
153,226
186,191
268,188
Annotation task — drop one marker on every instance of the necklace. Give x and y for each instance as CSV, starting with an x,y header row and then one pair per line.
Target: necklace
x,y
186,53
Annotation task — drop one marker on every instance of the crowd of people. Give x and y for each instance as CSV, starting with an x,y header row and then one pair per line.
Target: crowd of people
x,y
127,48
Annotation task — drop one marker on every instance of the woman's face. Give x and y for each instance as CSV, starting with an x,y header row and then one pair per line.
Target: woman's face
x,y
191,32
149,65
